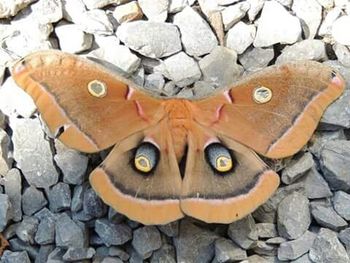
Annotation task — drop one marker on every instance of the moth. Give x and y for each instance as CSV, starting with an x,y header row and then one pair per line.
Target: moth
x,y
174,157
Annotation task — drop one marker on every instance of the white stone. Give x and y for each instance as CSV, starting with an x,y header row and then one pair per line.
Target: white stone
x,y
286,3
310,13
106,41
196,35
127,12
326,26
155,10
343,54
208,7
232,14
95,22
341,3
72,39
11,7
48,11
276,25
154,82
73,9
340,30
255,8
326,3
226,2
94,4
178,5
240,37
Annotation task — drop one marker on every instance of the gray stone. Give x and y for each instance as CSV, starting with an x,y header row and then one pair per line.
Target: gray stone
x,y
45,214
49,11
202,241
182,69
165,254
327,23
69,233
5,161
93,4
114,216
327,248
335,158
112,260
297,168
118,252
343,54
294,249
341,204
170,89
46,231
293,216
154,82
155,10
77,199
266,230
151,39
257,259
56,256
196,35
344,237
112,234
43,254
227,251
240,37
255,8
264,249
276,25
15,257
146,240
309,49
256,58
243,232
321,137
32,153
6,212
303,259
340,28
27,228
94,22
232,14
138,77
202,89
170,229
315,185
32,201
3,121
75,254
13,188
92,204
275,240
59,197
18,245
327,217
212,65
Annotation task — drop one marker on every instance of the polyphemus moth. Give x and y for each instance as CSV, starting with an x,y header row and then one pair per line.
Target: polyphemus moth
x,y
176,157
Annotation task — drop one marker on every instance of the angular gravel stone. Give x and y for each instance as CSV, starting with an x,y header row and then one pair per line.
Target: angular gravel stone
x,y
341,204
33,153
27,228
49,11
340,28
227,251
13,188
11,8
196,35
240,37
75,254
276,25
266,230
178,5
94,22
118,252
112,234
343,54
243,232
327,217
5,161
344,237
46,231
165,254
232,14
155,10
33,200
171,229
297,168
256,58
70,233
92,204
335,160
328,21
56,256
128,12
18,245
264,249
6,212
45,213
310,49
154,82
293,216
15,257
255,8
315,185
93,4
201,239
59,197
77,199
113,260
327,248
296,248
151,39
146,240
43,254
212,65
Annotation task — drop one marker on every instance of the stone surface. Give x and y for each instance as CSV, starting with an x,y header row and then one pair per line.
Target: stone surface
x,y
297,168
75,254
6,212
227,251
146,240
232,14
33,200
18,245
266,230
128,12
151,39
276,25
112,234
69,233
293,216
154,82
27,228
315,185
294,249
13,187
11,8
46,231
94,21
49,11
327,23
59,197
92,204
327,217
15,257
339,29
5,161
255,59
243,232
264,249
341,204
93,4
178,5
155,10
327,248
240,37
343,54
165,254
170,229
196,35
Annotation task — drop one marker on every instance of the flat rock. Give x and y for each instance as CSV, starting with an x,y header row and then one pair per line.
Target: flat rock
x,y
297,168
165,254
6,212
155,10
13,188
128,12
341,204
75,254
33,153
32,200
212,65
340,29
233,13
151,39
309,49
293,216
276,25
27,228
240,37
59,197
315,185
327,248
343,54
227,251
255,59
327,217
243,232
146,240
11,8
264,249
294,249
15,257
196,35
112,234
5,160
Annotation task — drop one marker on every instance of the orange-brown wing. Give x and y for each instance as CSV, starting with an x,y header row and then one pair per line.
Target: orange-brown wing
x,y
95,107
280,127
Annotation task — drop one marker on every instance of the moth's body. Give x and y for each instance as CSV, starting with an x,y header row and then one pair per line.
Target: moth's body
x,y
273,112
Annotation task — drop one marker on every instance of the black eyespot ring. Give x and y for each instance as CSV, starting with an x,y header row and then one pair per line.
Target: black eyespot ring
x,y
220,158
146,158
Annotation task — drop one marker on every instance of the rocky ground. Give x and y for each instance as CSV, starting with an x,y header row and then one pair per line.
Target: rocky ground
x,y
184,48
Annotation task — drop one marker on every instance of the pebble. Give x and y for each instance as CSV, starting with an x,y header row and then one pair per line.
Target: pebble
x,y
27,228
182,69
341,204
154,82
13,187
344,237
11,8
266,230
196,35
6,212
293,216
294,249
146,240
59,197
112,234
339,29
309,49
240,37
170,229
77,198
315,185
327,217
45,234
227,251
233,13
297,168
15,257
327,248
18,245
255,8
165,254
255,59
32,200
212,65
75,254
276,25
243,232
343,54
93,4
128,12
327,24
94,21
92,204
49,11
335,158
155,10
